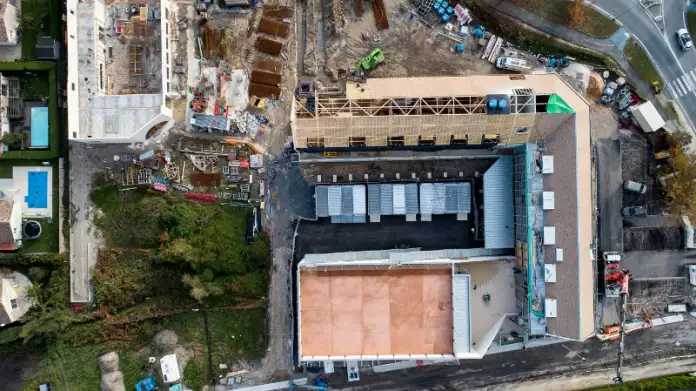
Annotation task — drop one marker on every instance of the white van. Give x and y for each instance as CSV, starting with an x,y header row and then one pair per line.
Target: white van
x,y
635,187
513,64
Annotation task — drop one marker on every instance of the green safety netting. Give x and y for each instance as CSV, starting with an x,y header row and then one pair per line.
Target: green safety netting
x,y
556,104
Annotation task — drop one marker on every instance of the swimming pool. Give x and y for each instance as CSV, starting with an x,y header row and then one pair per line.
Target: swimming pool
x,y
39,127
37,189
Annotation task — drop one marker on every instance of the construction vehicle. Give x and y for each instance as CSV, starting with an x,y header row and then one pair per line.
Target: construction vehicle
x,y
626,277
370,62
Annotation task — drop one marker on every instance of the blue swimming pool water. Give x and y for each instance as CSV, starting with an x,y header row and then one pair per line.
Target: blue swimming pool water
x,y
37,189
39,127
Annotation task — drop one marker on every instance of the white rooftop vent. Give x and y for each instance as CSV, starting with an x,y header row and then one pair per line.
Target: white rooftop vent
x,y
559,255
547,164
549,236
550,308
549,200
550,272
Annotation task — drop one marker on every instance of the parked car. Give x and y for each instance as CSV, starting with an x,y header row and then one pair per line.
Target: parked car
x,y
684,39
633,211
635,187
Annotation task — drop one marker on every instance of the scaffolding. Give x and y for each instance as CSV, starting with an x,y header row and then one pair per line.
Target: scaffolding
x,y
331,122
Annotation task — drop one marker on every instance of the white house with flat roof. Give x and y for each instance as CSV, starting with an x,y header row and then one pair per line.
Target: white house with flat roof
x,y
115,89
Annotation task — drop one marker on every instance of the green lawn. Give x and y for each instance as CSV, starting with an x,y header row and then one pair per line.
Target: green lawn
x,y
47,242
233,334
75,368
639,60
691,22
595,24
666,383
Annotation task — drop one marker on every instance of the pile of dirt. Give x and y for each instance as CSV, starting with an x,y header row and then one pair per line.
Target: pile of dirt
x,y
595,86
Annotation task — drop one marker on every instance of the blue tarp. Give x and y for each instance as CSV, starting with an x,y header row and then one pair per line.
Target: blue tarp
x,y
39,127
37,189
146,384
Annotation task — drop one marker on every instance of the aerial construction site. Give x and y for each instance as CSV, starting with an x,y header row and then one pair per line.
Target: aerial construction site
x,y
428,187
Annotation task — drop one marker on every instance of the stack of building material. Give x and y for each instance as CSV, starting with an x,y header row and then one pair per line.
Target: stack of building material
x,y
274,27
266,76
380,12
268,46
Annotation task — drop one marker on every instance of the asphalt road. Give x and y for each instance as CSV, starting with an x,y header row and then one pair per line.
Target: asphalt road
x,y
610,196
572,360
678,68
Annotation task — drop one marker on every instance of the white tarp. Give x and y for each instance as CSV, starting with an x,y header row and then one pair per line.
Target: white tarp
x,y
426,198
359,201
334,196
647,117
399,199
170,368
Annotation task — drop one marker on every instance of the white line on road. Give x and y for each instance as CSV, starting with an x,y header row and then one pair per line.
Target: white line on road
x,y
675,88
693,74
687,81
678,83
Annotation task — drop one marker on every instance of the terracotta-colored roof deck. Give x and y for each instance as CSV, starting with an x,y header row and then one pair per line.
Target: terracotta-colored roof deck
x,y
375,312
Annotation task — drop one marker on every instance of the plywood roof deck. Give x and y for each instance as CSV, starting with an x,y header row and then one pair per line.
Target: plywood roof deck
x,y
373,312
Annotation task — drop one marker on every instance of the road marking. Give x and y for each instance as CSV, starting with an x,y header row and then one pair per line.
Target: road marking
x,y
693,74
682,85
688,82
673,90
677,87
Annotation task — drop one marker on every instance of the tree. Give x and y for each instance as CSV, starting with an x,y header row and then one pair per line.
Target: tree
x,y
576,14
13,141
680,185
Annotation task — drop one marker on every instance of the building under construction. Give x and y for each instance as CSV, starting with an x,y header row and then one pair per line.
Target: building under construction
x,y
509,155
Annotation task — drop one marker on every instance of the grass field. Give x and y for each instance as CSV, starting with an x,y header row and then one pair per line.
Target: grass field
x,y
233,335
666,383
595,24
641,63
691,20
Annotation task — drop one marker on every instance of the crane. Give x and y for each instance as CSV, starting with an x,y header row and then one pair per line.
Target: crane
x,y
623,296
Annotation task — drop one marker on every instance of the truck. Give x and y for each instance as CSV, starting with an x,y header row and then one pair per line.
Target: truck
x,y
513,64
371,61
647,117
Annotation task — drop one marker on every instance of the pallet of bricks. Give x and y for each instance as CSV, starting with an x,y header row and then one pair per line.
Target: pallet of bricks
x,y
272,33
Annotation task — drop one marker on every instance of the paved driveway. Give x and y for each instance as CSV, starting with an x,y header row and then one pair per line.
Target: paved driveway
x,y
610,194
658,264
85,161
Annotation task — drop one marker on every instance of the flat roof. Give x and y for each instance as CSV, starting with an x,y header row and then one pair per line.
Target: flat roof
x,y
376,312
398,304
475,85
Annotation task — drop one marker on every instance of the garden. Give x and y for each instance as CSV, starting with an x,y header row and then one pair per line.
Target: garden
x,y
168,264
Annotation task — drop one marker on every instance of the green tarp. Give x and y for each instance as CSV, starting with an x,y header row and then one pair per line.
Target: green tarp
x,y
556,104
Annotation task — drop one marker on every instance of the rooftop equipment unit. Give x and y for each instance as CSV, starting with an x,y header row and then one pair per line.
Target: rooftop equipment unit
x,y
547,164
549,236
549,200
